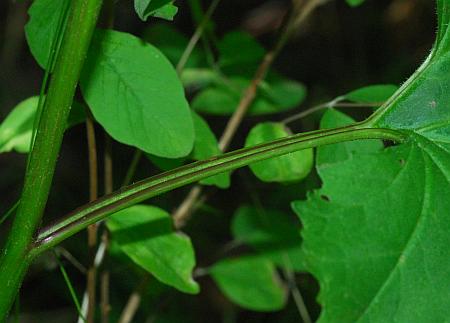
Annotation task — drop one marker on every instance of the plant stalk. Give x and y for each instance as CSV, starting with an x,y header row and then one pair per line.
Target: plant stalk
x,y
143,190
15,257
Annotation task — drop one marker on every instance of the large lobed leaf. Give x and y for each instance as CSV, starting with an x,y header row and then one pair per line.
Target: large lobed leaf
x,y
376,235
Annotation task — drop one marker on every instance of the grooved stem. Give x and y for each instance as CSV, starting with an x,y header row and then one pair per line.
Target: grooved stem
x,y
15,258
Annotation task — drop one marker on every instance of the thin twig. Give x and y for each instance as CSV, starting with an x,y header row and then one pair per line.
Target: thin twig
x,y
295,291
327,105
134,301
105,282
109,186
132,168
183,212
195,38
108,165
92,229
60,251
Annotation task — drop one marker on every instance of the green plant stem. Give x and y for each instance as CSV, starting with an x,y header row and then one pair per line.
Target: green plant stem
x,y
140,191
15,257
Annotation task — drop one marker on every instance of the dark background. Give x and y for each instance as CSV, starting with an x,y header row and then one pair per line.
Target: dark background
x,y
337,50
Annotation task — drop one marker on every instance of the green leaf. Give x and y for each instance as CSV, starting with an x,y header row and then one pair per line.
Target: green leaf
x,y
42,28
272,233
379,220
171,43
156,8
17,128
135,94
199,77
274,96
252,283
166,12
288,168
145,234
206,146
355,3
237,51
378,93
376,234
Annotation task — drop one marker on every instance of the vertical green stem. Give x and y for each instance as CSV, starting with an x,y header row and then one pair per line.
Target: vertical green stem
x,y
15,259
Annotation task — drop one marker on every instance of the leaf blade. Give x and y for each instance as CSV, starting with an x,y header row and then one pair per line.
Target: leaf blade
x,y
145,234
135,93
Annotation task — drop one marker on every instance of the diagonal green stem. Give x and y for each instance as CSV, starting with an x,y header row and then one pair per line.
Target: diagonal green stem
x,y
100,209
15,259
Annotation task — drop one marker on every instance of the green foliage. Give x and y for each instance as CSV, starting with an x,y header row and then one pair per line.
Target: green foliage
x,y
17,128
288,168
250,282
375,235
145,234
155,8
42,28
372,94
248,56
224,90
135,94
271,233
122,68
222,98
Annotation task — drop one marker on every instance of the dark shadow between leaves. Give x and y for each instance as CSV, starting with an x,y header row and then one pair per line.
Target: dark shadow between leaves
x,y
143,231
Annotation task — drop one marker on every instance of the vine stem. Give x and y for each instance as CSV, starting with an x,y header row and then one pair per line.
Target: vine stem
x,y
15,258
165,182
